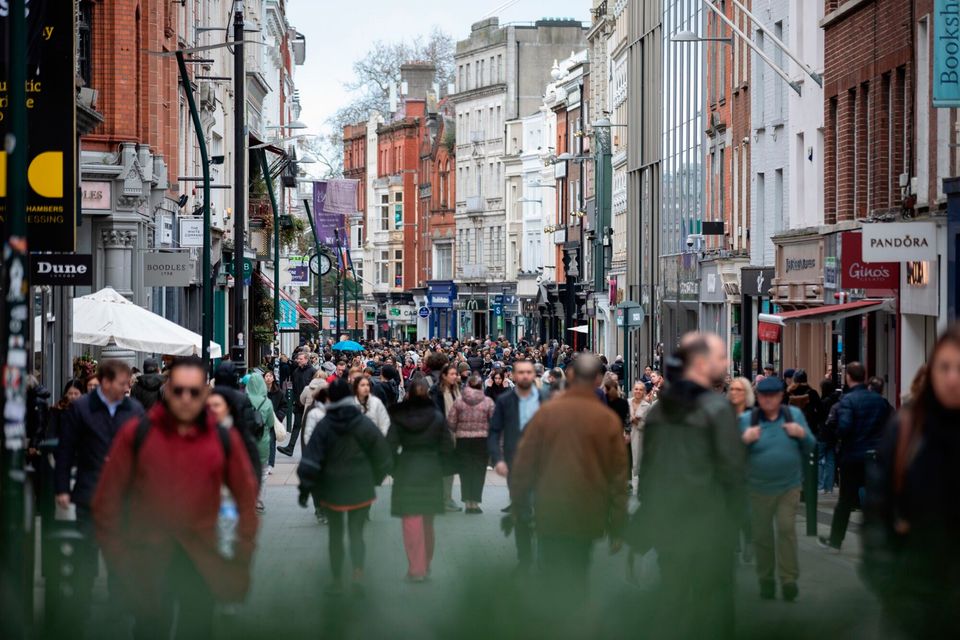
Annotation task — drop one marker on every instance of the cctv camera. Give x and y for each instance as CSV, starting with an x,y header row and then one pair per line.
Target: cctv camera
x,y
689,242
539,278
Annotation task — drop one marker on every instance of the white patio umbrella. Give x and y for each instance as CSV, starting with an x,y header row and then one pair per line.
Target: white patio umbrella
x,y
106,316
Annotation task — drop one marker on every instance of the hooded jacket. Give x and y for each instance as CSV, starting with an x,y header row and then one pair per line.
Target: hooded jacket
x,y
422,448
260,399
470,415
693,474
147,389
345,459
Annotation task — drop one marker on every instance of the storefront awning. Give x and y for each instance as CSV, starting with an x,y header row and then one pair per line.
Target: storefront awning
x,y
300,310
831,312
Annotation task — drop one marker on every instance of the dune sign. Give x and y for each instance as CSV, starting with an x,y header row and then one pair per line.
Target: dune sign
x,y
50,104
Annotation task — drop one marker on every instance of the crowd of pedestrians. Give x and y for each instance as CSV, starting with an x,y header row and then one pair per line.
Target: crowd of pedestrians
x,y
166,473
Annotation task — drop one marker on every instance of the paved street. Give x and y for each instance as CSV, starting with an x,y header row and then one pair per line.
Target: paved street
x,y
468,594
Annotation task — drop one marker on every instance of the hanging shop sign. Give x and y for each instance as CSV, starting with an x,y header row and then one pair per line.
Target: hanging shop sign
x,y
299,270
857,274
62,270
191,232
173,269
51,120
946,53
769,331
756,281
899,241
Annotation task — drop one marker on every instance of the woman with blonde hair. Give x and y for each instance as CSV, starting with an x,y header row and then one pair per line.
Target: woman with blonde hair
x,y
741,395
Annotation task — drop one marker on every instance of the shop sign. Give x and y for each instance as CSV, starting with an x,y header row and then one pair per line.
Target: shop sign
x,y
755,281
768,331
800,262
62,269
96,196
50,100
299,270
830,272
857,274
423,312
946,53
191,231
899,241
167,269
919,293
288,314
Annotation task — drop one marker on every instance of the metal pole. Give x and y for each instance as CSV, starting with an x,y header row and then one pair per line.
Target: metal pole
x,y
239,175
951,187
336,236
206,322
779,43
316,242
265,168
17,318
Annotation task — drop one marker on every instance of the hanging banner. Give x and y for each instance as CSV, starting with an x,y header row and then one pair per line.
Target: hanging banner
x,y
299,270
946,53
51,122
330,205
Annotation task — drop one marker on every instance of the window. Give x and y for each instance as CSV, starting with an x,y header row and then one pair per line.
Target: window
x,y
384,212
468,76
778,224
443,262
780,87
923,107
383,276
398,268
499,67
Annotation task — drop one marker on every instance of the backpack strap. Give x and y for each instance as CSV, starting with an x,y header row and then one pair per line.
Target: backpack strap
x,y
143,430
755,417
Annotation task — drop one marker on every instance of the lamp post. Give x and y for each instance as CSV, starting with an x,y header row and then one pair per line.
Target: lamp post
x,y
268,179
239,172
604,188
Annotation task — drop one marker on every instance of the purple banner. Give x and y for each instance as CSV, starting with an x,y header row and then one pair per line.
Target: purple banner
x,y
332,199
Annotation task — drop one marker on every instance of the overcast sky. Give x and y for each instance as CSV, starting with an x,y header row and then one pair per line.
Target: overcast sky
x,y
338,33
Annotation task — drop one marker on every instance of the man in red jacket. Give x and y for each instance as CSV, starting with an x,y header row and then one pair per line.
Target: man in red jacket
x,y
156,510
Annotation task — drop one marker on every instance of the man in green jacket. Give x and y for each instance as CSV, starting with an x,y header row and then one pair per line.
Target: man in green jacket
x,y
692,484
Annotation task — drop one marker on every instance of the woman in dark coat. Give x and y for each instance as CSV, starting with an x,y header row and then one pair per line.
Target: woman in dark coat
x,y
422,445
497,386
344,461
911,511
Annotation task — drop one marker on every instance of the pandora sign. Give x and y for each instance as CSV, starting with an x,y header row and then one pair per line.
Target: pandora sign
x,y
899,241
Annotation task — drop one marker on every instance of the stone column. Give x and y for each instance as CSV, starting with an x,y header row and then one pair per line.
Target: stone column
x,y
118,247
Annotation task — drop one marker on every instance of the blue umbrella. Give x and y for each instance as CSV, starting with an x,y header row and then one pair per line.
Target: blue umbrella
x,y
347,345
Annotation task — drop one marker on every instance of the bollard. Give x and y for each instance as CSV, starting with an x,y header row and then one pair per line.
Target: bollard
x,y
62,612
810,491
289,409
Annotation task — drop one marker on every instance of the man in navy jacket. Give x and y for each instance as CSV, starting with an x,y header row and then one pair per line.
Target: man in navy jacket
x,y
85,439
862,416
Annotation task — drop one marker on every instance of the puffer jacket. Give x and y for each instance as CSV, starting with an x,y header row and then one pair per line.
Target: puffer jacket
x,y
470,415
422,446
147,389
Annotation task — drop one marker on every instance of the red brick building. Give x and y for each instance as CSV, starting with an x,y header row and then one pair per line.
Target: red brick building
x,y
868,107
437,196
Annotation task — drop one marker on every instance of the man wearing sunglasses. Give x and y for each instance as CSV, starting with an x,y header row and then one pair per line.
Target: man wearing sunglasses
x,y
156,510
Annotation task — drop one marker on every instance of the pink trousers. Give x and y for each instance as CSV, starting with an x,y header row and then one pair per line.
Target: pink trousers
x,y
418,543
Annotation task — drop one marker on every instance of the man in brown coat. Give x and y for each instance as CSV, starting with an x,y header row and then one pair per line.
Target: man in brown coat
x,y
571,464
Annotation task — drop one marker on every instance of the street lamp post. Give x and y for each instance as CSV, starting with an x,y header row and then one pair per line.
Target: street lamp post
x,y
239,172
265,169
604,188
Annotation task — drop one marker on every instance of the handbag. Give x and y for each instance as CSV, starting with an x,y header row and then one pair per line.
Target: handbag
x,y
279,429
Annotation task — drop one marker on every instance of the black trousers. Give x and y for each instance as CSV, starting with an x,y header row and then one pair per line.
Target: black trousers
x,y
353,522
695,599
472,462
852,479
87,561
295,434
186,611
564,562
523,532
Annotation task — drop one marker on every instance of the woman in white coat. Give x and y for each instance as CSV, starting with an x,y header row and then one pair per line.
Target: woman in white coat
x,y
639,403
371,405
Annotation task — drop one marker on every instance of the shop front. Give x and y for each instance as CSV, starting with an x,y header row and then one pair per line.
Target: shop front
x,y
720,304
681,298
755,285
402,322
441,296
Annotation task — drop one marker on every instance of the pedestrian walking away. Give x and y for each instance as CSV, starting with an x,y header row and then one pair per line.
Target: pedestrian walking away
x,y
344,461
571,464
692,484
469,420
422,446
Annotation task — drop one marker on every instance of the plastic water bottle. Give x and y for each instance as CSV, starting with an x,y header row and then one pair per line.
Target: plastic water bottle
x,y
227,525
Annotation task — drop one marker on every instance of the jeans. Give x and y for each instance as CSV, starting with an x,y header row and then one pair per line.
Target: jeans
x,y
827,456
852,478
353,522
418,542
775,535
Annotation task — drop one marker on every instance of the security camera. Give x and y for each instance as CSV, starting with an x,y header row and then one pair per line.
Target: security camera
x,y
689,242
539,278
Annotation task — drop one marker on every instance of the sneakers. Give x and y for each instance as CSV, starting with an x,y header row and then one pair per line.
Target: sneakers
x,y
287,451
768,589
269,470
474,510
824,543
790,591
